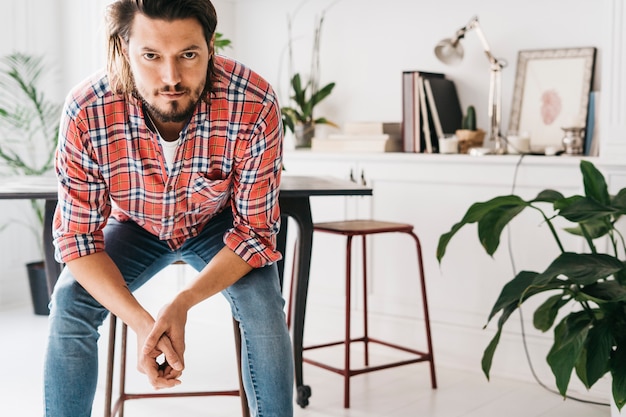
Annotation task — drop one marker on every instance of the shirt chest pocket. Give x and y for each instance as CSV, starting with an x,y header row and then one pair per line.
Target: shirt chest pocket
x,y
207,194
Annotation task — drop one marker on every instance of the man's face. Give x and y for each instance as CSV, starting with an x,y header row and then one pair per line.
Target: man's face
x,y
169,61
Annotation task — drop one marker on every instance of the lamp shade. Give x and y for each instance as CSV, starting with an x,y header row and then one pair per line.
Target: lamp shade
x,y
449,51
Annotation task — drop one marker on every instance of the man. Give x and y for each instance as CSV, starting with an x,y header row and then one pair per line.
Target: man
x,y
173,153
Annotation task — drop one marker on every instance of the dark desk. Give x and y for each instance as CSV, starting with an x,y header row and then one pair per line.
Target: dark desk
x,y
294,197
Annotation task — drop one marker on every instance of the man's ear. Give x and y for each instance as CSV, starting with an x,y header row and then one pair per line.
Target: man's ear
x,y
124,47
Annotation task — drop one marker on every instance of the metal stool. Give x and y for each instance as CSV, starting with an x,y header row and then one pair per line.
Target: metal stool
x,y
364,228
111,409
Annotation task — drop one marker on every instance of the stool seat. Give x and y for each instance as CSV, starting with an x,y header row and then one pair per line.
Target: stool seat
x,y
362,227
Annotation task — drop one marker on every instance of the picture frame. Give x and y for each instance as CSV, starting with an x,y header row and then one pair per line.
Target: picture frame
x,y
551,91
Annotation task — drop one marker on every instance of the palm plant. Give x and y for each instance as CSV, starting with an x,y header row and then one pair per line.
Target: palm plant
x,y
29,121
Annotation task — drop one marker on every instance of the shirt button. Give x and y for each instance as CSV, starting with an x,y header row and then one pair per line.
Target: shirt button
x,y
169,189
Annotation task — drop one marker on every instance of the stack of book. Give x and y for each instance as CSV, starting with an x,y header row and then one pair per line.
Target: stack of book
x,y
363,137
430,110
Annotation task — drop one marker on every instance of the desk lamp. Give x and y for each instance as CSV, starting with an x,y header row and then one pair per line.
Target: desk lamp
x,y
450,52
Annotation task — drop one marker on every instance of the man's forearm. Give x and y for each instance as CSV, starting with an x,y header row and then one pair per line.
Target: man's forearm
x,y
101,278
225,269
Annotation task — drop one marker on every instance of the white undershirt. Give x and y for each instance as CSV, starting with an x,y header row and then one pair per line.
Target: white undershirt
x,y
169,150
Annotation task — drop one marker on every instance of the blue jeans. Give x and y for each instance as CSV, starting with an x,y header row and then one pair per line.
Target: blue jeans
x,y
71,363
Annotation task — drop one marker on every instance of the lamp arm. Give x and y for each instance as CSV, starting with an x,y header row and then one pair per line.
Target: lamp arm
x,y
492,59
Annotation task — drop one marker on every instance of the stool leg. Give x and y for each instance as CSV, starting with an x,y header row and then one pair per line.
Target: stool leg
x,y
365,322
420,263
110,365
245,410
346,367
123,369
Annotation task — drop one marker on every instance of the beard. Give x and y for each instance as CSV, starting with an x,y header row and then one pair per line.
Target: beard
x,y
175,111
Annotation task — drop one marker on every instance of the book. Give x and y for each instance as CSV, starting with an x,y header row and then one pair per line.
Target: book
x,y
446,105
373,128
591,127
428,144
433,108
382,142
412,136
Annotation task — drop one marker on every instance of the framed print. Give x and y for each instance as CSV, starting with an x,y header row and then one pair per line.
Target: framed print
x,y
551,91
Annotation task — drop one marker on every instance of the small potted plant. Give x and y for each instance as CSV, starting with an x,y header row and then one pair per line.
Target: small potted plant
x,y
299,119
587,291
469,136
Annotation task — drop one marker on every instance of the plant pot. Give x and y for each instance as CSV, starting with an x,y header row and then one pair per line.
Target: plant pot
x,y
38,287
470,139
304,133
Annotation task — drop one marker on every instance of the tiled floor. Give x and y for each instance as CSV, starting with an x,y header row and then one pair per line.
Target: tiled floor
x,y
401,392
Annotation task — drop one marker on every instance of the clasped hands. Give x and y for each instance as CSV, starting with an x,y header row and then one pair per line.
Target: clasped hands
x,y
160,349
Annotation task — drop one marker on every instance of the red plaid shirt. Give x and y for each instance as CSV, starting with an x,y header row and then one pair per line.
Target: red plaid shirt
x,y
110,163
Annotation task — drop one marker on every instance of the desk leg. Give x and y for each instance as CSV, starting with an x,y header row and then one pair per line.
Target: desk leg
x,y
300,210
53,269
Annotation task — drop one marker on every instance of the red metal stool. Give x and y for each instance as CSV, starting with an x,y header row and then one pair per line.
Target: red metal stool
x,y
364,228
117,408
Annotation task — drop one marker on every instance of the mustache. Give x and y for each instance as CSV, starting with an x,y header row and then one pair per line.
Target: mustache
x,y
173,89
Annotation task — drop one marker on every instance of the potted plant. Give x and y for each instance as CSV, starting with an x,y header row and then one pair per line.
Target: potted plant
x,y
29,125
299,119
469,136
590,338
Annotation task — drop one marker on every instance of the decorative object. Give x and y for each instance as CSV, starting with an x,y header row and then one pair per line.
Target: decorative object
x,y
29,126
517,142
299,119
450,51
573,140
449,144
469,136
305,96
591,334
551,91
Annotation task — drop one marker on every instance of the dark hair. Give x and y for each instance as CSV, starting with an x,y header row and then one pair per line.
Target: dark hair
x,y
119,20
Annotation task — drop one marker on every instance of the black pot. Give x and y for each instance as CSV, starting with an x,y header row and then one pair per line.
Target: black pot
x,y
38,287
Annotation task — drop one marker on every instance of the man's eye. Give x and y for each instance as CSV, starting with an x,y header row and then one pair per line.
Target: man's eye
x,y
189,55
149,56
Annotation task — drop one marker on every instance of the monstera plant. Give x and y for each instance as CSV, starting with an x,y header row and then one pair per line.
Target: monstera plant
x,y
587,291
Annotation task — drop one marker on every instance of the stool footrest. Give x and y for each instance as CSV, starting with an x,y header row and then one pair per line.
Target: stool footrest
x,y
421,357
181,394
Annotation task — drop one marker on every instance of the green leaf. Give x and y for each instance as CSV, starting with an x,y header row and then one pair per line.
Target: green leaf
x,y
569,339
595,228
518,290
581,268
474,214
595,185
547,196
487,359
618,373
546,313
594,360
618,202
321,94
609,291
579,209
490,227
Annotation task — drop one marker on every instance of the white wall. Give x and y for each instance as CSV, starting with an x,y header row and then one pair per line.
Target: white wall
x,y
365,47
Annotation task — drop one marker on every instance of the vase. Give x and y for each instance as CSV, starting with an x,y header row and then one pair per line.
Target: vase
x,y
304,133
573,140
38,287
